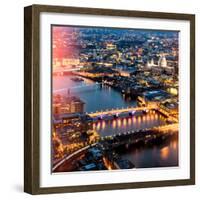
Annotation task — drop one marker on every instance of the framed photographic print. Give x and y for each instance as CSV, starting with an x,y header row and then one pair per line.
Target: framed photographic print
x,y
109,99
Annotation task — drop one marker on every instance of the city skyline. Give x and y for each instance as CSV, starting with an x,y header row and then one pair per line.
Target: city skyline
x,y
114,98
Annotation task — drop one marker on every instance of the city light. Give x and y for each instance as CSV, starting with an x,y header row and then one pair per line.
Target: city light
x,y
114,98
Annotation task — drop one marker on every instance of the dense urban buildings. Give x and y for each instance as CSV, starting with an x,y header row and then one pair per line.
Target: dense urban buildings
x,y
114,98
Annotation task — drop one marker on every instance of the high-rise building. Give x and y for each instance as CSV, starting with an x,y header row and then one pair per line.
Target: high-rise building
x,y
70,104
77,106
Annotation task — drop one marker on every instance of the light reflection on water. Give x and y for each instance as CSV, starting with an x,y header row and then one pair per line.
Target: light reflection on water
x,y
97,98
163,155
110,127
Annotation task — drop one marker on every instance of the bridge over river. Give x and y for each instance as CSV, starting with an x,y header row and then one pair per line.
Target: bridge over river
x,y
117,111
132,110
130,137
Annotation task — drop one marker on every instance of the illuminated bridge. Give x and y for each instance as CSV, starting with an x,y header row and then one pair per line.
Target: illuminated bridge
x,y
121,110
63,70
142,136
132,110
130,137
79,88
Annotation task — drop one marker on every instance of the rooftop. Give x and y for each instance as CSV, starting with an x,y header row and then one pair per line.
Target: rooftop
x,y
156,95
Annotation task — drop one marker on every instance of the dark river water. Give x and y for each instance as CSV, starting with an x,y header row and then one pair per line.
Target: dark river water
x,y
98,98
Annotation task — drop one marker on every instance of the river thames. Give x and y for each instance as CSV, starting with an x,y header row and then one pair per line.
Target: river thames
x,y
97,98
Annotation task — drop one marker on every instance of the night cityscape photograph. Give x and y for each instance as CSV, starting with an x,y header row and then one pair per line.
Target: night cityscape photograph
x,y
115,98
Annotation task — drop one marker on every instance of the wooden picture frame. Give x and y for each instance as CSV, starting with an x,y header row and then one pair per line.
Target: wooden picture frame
x,y
32,106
